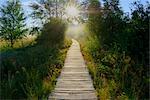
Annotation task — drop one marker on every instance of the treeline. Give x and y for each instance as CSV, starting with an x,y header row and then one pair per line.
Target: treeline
x,y
119,44
13,20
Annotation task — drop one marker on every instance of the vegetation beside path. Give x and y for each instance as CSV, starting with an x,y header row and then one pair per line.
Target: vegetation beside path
x,y
31,72
114,43
116,50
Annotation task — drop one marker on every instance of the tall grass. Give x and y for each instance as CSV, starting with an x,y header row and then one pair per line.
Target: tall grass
x,y
116,75
20,43
31,72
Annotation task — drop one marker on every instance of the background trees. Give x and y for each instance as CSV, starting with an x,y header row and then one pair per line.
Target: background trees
x,y
12,22
46,9
53,32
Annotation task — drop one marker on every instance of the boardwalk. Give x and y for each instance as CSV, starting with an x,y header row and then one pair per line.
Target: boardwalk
x,y
74,82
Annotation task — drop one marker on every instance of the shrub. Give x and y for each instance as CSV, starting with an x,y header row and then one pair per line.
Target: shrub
x,y
53,32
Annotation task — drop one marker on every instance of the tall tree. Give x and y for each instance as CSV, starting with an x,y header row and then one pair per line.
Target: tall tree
x,y
139,46
112,21
12,21
94,17
46,9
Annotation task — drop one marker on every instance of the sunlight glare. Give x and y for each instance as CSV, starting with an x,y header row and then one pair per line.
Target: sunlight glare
x,y
76,31
75,22
72,11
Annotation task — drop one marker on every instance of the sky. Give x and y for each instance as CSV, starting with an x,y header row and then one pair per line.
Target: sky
x,y
125,4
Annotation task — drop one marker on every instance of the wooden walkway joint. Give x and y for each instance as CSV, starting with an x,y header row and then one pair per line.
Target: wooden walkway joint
x,y
74,83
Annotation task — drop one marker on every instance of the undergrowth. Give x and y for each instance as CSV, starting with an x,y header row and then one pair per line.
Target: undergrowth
x,y
31,72
116,76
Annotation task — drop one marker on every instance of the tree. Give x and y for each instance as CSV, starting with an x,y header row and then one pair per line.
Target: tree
x,y
112,22
139,46
12,21
94,17
45,9
140,31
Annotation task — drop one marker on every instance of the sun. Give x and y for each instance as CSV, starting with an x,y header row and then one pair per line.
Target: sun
x,y
72,11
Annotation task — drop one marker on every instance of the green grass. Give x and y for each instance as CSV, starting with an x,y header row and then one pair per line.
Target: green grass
x,y
20,43
31,72
30,69
106,88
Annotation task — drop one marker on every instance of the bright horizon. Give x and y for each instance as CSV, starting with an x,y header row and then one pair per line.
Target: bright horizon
x,y
126,6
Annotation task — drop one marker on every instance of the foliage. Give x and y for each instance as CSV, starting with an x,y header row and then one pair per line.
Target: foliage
x,y
46,9
118,45
52,31
12,22
31,72
19,43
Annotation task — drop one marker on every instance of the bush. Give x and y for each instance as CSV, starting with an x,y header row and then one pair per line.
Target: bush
x,y
114,72
119,48
53,32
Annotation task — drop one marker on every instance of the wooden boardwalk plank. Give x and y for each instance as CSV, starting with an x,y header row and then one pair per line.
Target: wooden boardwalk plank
x,y
74,82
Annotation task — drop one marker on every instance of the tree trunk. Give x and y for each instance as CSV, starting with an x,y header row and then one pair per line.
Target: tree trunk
x,y
56,8
12,42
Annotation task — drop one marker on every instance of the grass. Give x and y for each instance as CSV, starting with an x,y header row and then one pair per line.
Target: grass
x,y
30,71
20,43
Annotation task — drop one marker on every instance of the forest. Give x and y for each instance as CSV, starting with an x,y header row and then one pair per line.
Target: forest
x,y
115,46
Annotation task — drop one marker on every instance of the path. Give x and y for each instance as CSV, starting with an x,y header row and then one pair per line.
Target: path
x,y
74,82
